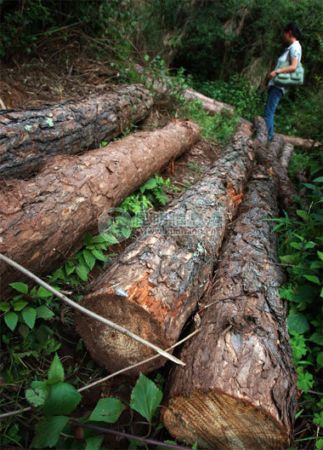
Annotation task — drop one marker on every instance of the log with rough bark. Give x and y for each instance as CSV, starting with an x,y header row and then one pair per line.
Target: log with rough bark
x,y
44,219
271,156
209,104
215,107
156,282
286,154
29,137
237,390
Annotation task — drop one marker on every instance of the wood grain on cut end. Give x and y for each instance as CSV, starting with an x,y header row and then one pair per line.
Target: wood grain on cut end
x,y
218,421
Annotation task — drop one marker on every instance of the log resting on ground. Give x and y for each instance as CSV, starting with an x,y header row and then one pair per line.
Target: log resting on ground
x,y
44,219
29,137
155,284
237,390
272,157
215,107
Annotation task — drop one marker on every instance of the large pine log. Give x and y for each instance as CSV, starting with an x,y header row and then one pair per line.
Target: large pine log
x,y
270,155
237,390
155,284
29,137
43,219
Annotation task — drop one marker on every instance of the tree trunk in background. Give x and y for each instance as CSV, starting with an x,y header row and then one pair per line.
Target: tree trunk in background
x,y
44,219
237,390
29,137
157,281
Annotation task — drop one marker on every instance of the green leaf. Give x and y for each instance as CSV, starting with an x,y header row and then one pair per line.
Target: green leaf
x,y
43,312
62,398
319,359
56,371
98,255
318,180
297,323
313,279
320,255
319,444
125,232
305,380
19,304
89,259
43,293
4,306
145,397
303,214
11,320
48,431
82,272
37,395
107,410
29,316
317,338
20,287
318,419
150,184
93,443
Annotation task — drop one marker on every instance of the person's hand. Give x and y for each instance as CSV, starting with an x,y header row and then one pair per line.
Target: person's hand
x,y
272,74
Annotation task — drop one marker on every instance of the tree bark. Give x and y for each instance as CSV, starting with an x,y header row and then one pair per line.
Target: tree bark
x,y
155,284
215,107
29,137
270,156
44,219
237,390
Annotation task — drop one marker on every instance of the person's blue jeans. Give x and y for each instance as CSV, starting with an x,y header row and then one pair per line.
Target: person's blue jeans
x,y
274,96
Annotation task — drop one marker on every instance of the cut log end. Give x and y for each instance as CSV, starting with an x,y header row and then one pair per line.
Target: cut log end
x,y
216,420
115,350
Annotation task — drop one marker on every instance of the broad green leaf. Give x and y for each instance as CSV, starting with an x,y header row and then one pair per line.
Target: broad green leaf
x,y
43,293
150,184
20,287
319,359
82,272
11,319
62,398
305,380
56,371
319,444
29,316
107,410
4,306
318,419
89,259
313,279
93,443
48,431
43,312
19,304
320,255
297,323
145,397
317,338
98,255
318,180
303,214
37,394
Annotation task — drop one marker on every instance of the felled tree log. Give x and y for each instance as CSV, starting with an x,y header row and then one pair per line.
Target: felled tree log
x,y
237,390
43,219
286,154
29,137
155,284
209,104
215,107
270,156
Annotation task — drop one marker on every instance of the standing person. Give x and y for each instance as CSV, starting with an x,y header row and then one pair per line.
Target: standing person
x,y
293,54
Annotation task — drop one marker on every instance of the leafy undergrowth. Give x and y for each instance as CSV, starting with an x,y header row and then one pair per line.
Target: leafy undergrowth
x,y
301,252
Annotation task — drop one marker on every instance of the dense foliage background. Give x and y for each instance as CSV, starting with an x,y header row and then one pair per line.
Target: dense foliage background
x,y
224,49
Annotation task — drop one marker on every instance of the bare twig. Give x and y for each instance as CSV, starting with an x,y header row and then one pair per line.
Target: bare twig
x,y
88,312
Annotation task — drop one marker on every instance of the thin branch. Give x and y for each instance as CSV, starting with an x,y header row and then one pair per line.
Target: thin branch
x,y
112,375
128,436
14,413
88,312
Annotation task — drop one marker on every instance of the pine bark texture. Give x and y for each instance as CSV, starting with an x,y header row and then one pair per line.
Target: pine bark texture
x,y
29,137
155,284
237,390
44,219
270,156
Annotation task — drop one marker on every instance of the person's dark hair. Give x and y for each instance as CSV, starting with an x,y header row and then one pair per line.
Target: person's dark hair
x,y
293,28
